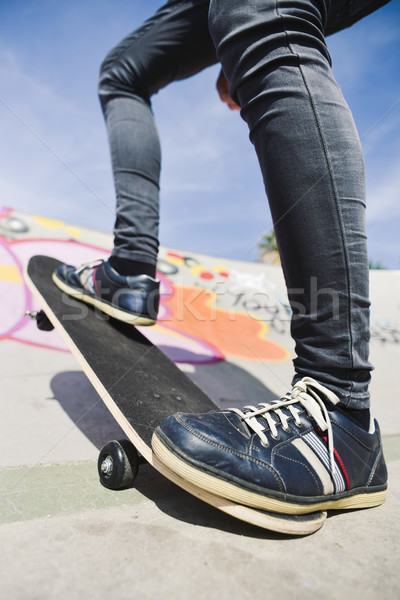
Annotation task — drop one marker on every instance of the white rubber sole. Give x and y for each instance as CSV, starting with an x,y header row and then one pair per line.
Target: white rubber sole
x,y
231,492
109,310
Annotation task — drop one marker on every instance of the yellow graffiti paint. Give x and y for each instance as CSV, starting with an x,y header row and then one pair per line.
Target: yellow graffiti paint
x,y
49,223
175,260
220,269
74,232
10,273
197,269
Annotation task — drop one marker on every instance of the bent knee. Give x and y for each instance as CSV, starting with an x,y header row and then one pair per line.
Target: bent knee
x,y
128,68
120,74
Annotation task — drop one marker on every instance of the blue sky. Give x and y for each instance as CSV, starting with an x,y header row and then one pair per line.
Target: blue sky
x,y
54,157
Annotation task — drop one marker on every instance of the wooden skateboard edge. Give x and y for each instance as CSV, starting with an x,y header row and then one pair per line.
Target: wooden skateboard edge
x,y
292,525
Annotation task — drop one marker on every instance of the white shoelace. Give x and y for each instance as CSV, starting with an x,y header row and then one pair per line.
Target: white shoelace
x,y
302,393
84,272
89,264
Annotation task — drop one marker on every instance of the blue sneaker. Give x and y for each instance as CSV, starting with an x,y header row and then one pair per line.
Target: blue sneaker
x,y
295,455
133,299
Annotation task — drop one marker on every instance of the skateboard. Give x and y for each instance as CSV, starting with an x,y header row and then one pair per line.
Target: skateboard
x,y
141,387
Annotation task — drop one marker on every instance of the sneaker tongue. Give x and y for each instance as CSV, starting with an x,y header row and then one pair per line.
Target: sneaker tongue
x,y
86,279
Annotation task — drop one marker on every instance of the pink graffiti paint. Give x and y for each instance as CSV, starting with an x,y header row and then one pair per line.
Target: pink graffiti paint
x,y
16,299
5,211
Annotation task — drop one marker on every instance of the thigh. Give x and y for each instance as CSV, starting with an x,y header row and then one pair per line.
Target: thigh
x,y
172,45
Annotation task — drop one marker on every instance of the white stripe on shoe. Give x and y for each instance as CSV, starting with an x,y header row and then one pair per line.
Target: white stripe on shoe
x,y
315,462
319,447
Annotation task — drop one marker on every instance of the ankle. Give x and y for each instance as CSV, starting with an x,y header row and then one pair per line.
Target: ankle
x,y
361,417
127,267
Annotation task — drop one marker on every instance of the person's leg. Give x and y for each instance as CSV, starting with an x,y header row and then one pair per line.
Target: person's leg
x,y
172,45
316,448
276,60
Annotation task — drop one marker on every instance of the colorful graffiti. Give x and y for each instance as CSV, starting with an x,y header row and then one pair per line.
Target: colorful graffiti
x,y
16,297
191,327
385,331
174,261
209,311
193,311
244,292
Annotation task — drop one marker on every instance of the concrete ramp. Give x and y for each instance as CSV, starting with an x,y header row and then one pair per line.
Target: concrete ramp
x,y
225,322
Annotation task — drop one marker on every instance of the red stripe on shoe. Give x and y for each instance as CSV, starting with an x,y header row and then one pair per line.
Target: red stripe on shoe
x,y
337,457
95,283
343,468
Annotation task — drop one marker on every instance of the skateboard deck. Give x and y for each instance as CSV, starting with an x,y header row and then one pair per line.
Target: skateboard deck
x,y
140,386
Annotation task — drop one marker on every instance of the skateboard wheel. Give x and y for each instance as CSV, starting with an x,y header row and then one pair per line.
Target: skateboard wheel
x,y
43,322
118,464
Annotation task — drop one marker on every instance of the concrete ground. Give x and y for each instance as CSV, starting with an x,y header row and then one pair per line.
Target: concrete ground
x,y
62,535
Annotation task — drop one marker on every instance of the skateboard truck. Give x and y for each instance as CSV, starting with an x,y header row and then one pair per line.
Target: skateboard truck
x,y
42,321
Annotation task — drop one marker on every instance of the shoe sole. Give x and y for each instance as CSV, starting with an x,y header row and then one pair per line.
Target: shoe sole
x,y
108,309
224,489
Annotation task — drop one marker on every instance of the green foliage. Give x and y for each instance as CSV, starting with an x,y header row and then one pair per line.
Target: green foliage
x,y
376,264
268,242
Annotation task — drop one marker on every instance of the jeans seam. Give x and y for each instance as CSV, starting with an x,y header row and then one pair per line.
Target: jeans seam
x,y
333,188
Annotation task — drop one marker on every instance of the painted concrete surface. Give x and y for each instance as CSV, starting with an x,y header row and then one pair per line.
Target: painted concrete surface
x,y
63,535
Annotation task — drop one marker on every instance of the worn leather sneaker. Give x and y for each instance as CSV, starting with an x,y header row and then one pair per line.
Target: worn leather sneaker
x,y
133,299
295,455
